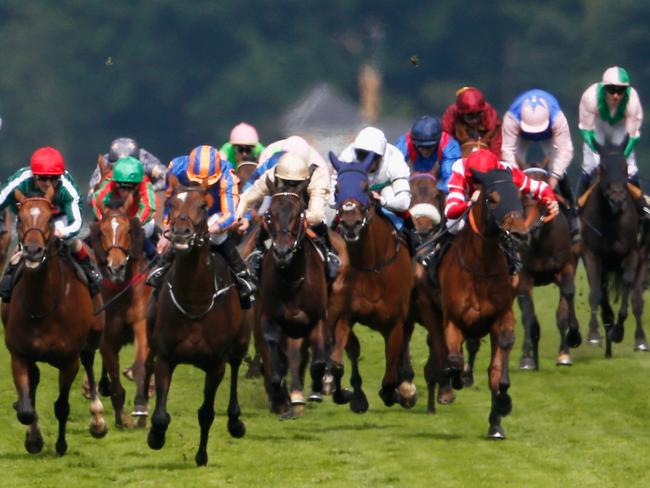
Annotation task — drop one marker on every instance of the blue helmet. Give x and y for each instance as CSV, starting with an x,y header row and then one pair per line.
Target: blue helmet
x,y
426,131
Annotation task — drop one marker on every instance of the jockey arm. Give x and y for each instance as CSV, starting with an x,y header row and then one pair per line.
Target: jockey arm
x,y
319,192
71,203
539,190
228,197
146,202
154,169
562,146
633,121
254,194
587,113
510,137
16,181
450,153
395,194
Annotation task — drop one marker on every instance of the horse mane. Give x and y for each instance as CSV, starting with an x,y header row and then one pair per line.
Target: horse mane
x,y
137,238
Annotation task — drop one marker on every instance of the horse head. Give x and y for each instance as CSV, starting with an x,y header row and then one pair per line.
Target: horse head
x,y
613,176
35,229
285,221
117,239
352,196
426,200
500,204
188,214
244,171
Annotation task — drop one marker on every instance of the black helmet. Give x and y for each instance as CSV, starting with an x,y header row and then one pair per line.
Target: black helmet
x,y
426,131
123,147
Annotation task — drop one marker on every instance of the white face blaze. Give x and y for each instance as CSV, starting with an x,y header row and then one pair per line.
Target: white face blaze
x,y
182,196
35,213
114,226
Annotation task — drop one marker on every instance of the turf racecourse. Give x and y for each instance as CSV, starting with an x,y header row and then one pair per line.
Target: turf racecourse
x,y
585,426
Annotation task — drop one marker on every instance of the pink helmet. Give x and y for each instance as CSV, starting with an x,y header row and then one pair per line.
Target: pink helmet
x,y
298,146
535,115
244,135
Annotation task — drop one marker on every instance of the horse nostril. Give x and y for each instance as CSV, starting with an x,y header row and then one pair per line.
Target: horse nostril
x,y
33,250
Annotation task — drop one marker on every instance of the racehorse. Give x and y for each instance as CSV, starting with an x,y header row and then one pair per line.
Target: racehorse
x,y
293,299
49,319
377,293
197,318
117,243
610,243
5,238
477,291
548,257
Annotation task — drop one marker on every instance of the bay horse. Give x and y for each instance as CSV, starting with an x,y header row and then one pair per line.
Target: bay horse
x,y
377,290
293,300
548,257
49,319
196,319
117,244
610,244
477,291
5,238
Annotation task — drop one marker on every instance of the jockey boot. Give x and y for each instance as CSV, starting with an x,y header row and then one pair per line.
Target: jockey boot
x,y
431,260
7,281
160,264
93,275
254,259
571,209
509,248
641,203
332,260
149,249
411,237
247,287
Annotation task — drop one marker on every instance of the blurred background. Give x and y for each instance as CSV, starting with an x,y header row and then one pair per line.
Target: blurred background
x,y
76,74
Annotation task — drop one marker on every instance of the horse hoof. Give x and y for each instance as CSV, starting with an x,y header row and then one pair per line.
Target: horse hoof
x,y
641,346
564,360
446,395
496,432
201,458
99,430
457,380
297,398
342,396
236,428
389,396
315,397
407,394
61,447
527,364
35,445
573,338
140,411
594,338
287,414
359,403
467,378
328,381
155,440
616,333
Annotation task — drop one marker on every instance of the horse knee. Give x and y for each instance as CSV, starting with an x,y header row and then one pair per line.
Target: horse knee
x,y
61,409
455,361
568,288
206,414
506,339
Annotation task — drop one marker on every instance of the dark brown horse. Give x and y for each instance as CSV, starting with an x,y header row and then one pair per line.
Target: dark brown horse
x,y
477,291
293,299
197,319
610,244
49,319
548,257
117,243
377,291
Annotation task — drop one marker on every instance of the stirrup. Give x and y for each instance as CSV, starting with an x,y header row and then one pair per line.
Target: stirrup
x,y
247,286
333,264
154,276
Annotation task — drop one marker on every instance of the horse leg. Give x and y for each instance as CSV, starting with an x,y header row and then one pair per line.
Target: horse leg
x,y
294,358
393,343
67,375
567,291
236,427
318,362
607,315
213,377
33,439
563,317
359,401
160,419
25,407
629,264
407,390
640,343
342,332
110,351
141,409
473,345
98,427
593,268
502,338
104,384
530,345
454,363
280,400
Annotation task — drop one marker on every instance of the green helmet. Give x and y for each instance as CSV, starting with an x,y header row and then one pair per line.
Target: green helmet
x,y
128,170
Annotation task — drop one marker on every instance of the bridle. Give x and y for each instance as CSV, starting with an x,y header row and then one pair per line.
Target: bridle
x,y
301,226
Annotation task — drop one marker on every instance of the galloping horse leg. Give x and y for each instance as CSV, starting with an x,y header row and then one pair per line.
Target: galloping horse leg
x,y
141,409
407,391
67,374
567,291
530,345
110,351
607,315
473,345
25,406
213,377
502,338
294,358
629,274
280,400
454,362
98,427
318,362
593,267
393,343
160,418
342,332
33,439
104,384
236,427
640,343
359,401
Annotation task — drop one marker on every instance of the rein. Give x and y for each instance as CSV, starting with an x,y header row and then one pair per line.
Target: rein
x,y
135,280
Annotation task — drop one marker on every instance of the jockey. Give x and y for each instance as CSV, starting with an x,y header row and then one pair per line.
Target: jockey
x,y
123,147
291,171
205,163
127,178
471,118
388,176
425,145
461,186
47,169
536,116
610,111
243,145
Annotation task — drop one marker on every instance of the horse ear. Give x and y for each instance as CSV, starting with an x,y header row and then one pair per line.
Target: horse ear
x,y
335,161
103,167
19,196
365,164
271,184
204,184
172,183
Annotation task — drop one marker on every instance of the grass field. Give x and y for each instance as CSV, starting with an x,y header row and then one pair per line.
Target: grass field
x,y
587,425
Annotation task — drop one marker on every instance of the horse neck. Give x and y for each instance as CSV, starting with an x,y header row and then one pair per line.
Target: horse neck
x,y
294,271
484,244
45,284
375,244
192,272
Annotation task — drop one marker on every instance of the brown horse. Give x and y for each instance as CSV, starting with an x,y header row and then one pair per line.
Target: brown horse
x,y
477,291
5,238
117,243
377,292
49,319
548,257
197,319
610,244
293,300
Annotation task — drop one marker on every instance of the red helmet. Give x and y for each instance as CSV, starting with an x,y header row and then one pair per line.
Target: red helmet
x,y
469,100
47,161
481,160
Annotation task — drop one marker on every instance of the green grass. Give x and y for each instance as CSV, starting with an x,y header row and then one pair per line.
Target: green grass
x,y
581,426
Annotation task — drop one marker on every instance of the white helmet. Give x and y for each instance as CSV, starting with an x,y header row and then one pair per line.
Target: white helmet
x,y
292,167
298,146
535,115
371,139
616,76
